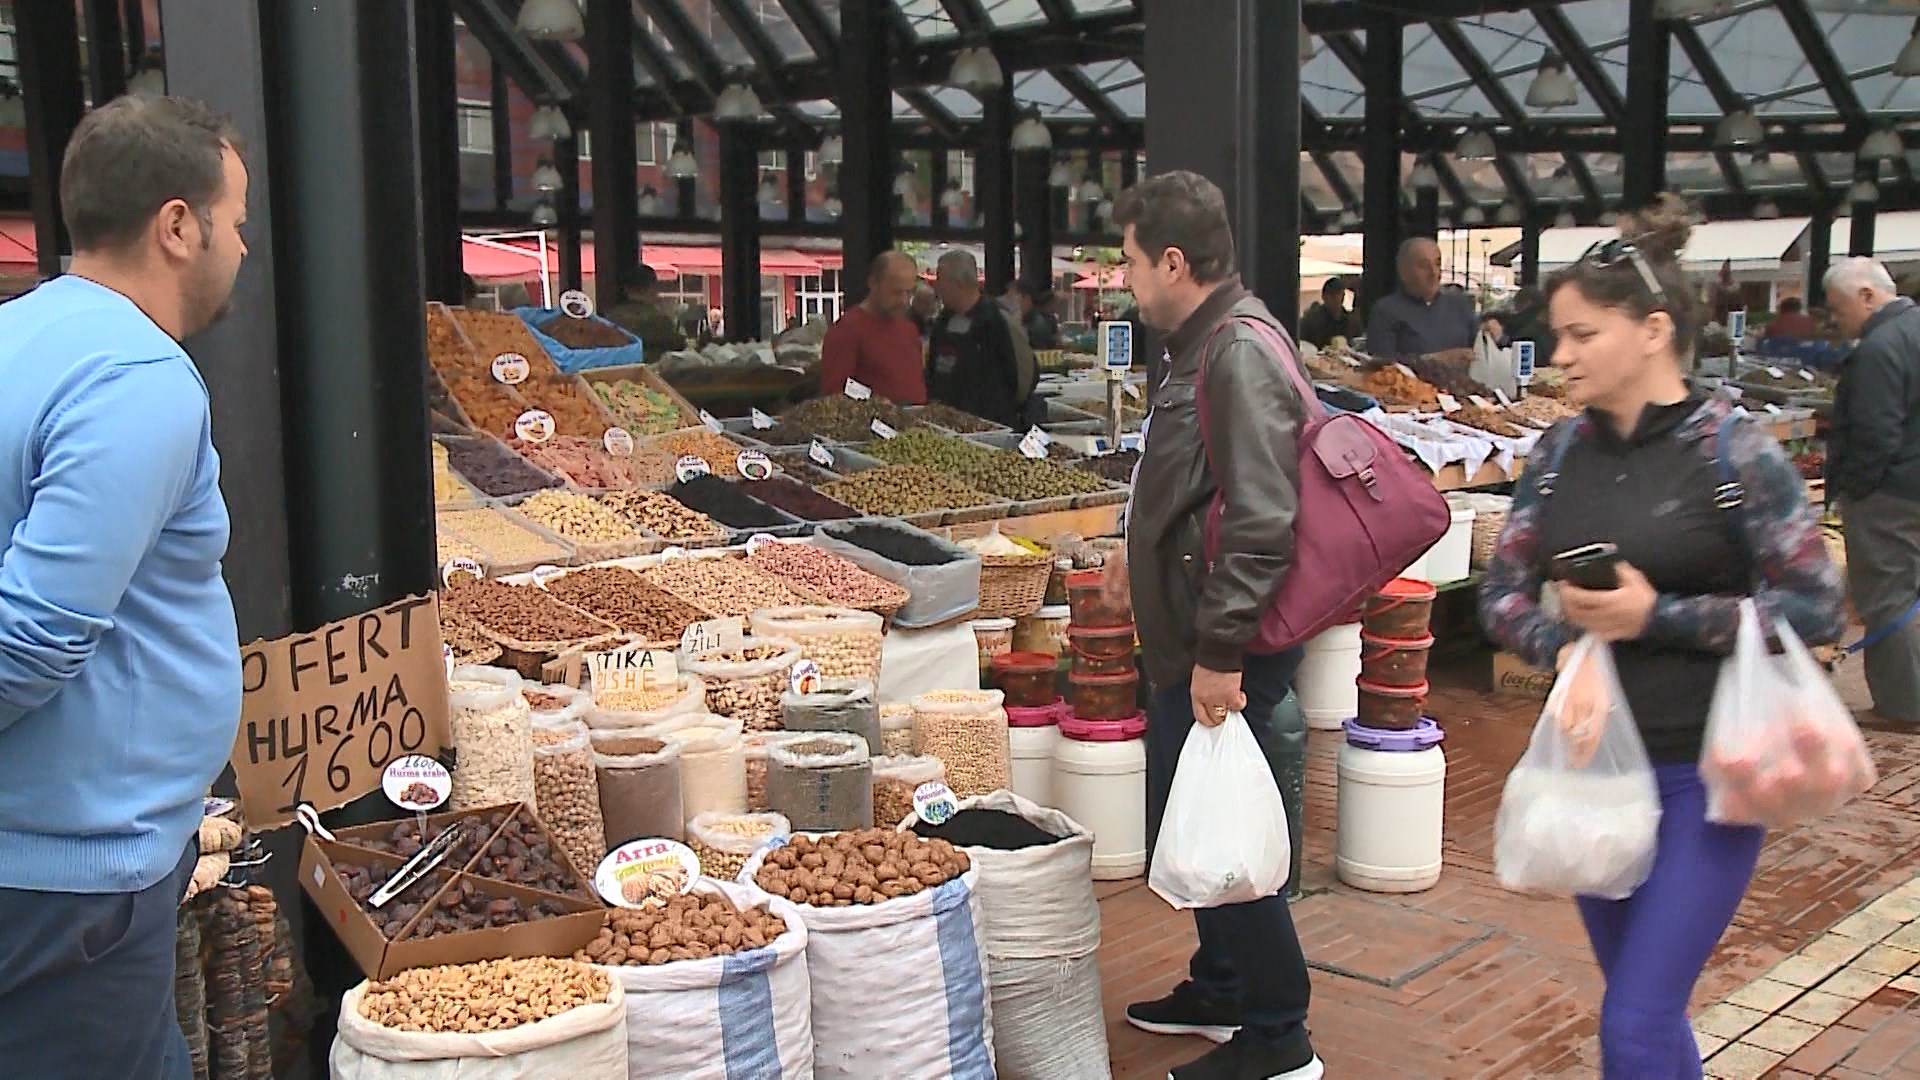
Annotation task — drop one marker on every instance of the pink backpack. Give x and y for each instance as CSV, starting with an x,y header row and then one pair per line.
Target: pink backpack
x,y
1365,511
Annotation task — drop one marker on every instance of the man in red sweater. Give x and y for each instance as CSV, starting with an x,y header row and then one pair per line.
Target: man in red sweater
x,y
876,342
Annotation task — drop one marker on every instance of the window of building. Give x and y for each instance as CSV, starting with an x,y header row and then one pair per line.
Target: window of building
x,y
583,140
475,119
818,296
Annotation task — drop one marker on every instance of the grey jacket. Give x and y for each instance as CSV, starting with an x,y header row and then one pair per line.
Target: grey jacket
x,y
1188,613
1874,445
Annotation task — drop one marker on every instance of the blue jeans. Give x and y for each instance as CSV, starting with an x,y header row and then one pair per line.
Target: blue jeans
x,y
1249,953
1653,945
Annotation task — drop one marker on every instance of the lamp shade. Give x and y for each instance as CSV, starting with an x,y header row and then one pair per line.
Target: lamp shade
x,y
1907,64
832,150
903,184
1424,176
1566,220
832,206
1473,215
769,191
1091,191
1740,128
738,102
1476,145
1060,176
546,177
952,198
1031,134
543,214
1866,191
1882,144
1766,210
649,203
1508,214
149,81
1552,87
551,20
1760,169
680,163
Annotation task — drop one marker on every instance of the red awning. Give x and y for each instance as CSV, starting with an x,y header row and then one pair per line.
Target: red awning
x,y
519,260
1115,278
701,259
502,260
18,248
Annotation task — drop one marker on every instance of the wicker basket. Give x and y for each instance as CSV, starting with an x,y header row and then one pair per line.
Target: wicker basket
x,y
1489,519
1013,585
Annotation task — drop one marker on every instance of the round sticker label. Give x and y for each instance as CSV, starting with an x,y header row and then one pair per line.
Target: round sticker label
x,y
754,465
534,425
672,553
806,677
544,573
758,541
618,441
576,304
457,566
643,870
511,368
934,802
690,466
416,782
216,807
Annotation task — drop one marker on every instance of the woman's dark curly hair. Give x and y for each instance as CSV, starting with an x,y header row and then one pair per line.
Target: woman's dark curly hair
x,y
1659,233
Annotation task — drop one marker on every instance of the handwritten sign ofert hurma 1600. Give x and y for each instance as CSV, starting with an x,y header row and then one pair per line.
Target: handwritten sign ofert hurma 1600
x,y
324,712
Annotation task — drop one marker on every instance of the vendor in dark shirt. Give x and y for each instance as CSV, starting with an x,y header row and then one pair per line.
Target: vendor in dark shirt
x,y
1420,318
1329,318
971,364
1043,320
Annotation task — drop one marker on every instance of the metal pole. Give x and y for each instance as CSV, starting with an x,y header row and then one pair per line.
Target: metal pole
x,y
1643,137
566,159
106,53
47,43
993,180
616,200
866,128
1380,153
739,232
437,100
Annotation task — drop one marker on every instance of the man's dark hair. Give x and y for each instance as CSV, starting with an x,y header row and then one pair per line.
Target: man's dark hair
x,y
1180,210
1791,306
1333,285
135,154
641,278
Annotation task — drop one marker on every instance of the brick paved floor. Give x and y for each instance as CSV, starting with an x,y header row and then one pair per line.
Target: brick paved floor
x,y
1467,980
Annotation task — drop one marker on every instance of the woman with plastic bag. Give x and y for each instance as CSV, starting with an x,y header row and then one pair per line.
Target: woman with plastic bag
x,y
1654,514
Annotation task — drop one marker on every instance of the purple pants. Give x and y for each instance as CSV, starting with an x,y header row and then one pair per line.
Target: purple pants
x,y
1653,945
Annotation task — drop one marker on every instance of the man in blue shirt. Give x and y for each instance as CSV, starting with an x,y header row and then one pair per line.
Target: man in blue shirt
x,y
1421,317
119,660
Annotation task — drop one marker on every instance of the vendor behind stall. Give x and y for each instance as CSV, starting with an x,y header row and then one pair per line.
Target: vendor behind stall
x,y
643,314
1420,317
974,363
1329,316
876,341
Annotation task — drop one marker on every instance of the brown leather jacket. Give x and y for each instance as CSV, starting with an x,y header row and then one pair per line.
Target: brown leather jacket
x,y
1187,612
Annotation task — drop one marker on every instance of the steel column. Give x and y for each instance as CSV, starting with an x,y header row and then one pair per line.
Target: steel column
x,y
616,199
47,44
1129,168
739,233
1425,220
937,177
1819,254
136,31
566,159
866,129
1530,231
1643,133
797,183
106,51
993,186
1860,237
501,117
1380,159
1033,205
437,119
686,201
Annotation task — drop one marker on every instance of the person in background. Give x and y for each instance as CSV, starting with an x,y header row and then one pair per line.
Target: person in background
x,y
1493,327
1792,321
1328,317
1640,468
1043,322
925,307
973,363
1420,318
1016,301
643,314
876,341
1248,987
1531,320
119,674
1873,472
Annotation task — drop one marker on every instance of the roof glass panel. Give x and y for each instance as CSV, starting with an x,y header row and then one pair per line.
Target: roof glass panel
x,y
1098,7
1010,13
1759,56
1599,23
1435,81
961,104
646,26
1123,83
708,23
1866,45
1039,90
779,28
1330,87
927,18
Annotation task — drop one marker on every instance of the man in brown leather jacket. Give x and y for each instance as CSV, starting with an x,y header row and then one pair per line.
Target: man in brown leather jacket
x,y
1248,987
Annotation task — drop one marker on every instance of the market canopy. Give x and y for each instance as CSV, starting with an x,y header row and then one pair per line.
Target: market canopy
x,y
1742,246
488,259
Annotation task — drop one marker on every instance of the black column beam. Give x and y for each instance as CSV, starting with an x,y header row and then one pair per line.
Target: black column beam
x,y
1384,60
1105,113
814,30
1268,205
797,183
1033,207
769,65
437,101
1819,253
993,186
1860,237
866,114
501,119
1643,134
106,51
616,199
739,233
937,179
47,44
1129,167
687,188
1530,230
945,125
135,21
566,161
1415,133
1834,78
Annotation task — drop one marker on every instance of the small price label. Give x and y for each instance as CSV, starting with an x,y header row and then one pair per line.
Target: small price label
x,y
1032,447
576,304
647,872
1807,375
758,541
1502,395
754,465
934,803
453,568
416,782
667,555
544,573
884,429
761,421
446,654
1448,404
1351,360
1039,436
858,390
1132,390
712,422
1406,370
1133,441
820,455
1772,409
714,635
511,368
806,677
690,466
534,425
1478,402
1776,373
618,441
632,670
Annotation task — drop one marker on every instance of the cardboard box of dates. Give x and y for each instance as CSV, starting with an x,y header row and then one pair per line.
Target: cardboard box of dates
x,y
504,890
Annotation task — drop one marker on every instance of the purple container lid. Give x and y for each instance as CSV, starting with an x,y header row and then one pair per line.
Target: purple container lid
x,y
1031,716
1425,734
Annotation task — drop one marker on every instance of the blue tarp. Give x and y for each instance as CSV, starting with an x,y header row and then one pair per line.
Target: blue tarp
x,y
574,361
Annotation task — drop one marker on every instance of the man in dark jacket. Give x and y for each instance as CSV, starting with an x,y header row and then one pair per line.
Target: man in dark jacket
x,y
1873,471
1249,978
973,363
1329,317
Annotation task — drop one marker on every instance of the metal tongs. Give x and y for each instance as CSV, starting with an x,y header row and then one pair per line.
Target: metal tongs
x,y
417,867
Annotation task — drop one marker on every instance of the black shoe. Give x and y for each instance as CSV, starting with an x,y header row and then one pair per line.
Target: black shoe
x,y
1250,1057
1186,1011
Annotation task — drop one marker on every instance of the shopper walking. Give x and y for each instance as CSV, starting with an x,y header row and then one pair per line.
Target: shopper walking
x,y
877,343
1873,472
1642,468
1248,985
119,667
973,362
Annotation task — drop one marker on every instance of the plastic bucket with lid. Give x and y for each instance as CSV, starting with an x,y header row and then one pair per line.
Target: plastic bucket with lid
x,y
1026,678
1032,735
1100,781
1102,651
1325,681
1391,808
1044,631
1105,697
1403,609
1388,661
1086,595
994,638
1391,708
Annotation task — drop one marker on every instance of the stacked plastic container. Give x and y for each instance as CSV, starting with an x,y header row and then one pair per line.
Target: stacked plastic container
x,y
1395,638
1100,762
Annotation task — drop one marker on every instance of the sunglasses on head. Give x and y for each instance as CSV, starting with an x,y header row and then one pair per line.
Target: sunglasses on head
x,y
1611,253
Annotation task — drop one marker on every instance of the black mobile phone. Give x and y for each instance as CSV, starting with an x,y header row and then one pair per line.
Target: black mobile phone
x,y
1595,566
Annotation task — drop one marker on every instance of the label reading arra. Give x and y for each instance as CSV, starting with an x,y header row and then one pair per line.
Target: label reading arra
x,y
714,635
618,441
416,782
646,870
690,466
858,390
511,368
534,425
754,465
576,304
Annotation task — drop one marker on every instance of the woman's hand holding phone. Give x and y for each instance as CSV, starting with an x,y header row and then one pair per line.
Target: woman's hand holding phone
x,y
1618,614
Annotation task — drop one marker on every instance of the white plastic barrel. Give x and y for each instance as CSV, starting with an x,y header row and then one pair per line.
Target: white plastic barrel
x,y
1451,558
1032,759
1392,804
1100,781
1325,683
1417,570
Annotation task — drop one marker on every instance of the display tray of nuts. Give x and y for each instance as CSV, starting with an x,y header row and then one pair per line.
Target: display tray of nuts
x,y
623,598
859,866
693,926
505,843
493,995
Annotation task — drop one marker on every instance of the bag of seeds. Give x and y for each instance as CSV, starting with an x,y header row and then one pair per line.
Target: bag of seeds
x,y
966,729
492,738
944,579
845,643
645,708
756,751
638,776
551,703
567,791
713,763
838,705
822,783
746,683
725,842
896,728
894,779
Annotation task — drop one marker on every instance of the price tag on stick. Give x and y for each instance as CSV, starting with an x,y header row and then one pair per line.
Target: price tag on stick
x,y
858,390
820,455
884,430
761,421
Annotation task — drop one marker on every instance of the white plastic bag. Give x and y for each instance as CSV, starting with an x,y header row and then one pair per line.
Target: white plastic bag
x,y
1781,747
584,1043
1572,827
1223,839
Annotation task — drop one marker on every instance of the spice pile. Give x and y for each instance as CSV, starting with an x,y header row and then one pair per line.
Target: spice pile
x,y
954,420
1006,473
584,462
580,518
495,470
727,504
664,516
546,387
528,615
1487,420
721,454
724,586
897,545
826,577
642,410
798,499
501,540
842,419
904,491
586,333
621,597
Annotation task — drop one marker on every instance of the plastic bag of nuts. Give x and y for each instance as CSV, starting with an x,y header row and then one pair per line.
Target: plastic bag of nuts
x,y
845,643
641,709
822,783
896,729
567,791
553,704
492,738
725,842
746,683
894,779
757,744
638,776
967,730
838,705
713,763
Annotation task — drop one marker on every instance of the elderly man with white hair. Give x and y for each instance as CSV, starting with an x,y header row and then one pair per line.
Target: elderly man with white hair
x,y
1873,472
973,363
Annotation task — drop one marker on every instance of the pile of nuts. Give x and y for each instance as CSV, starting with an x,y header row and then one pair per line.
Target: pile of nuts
x,y
664,516
546,387
967,731
618,595
1487,420
641,409
997,472
861,866
892,800
953,419
579,518
567,791
492,732
1541,411
842,419
798,499
724,586
797,464
489,996
448,546
497,471
1117,466
730,841
465,637
721,454
523,854
501,540
905,490
829,578
640,701
752,699
1395,387
521,614
844,643
588,333
693,926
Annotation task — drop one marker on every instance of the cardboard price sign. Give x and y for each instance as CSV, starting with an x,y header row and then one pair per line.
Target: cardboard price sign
x,y
323,713
714,635
632,669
